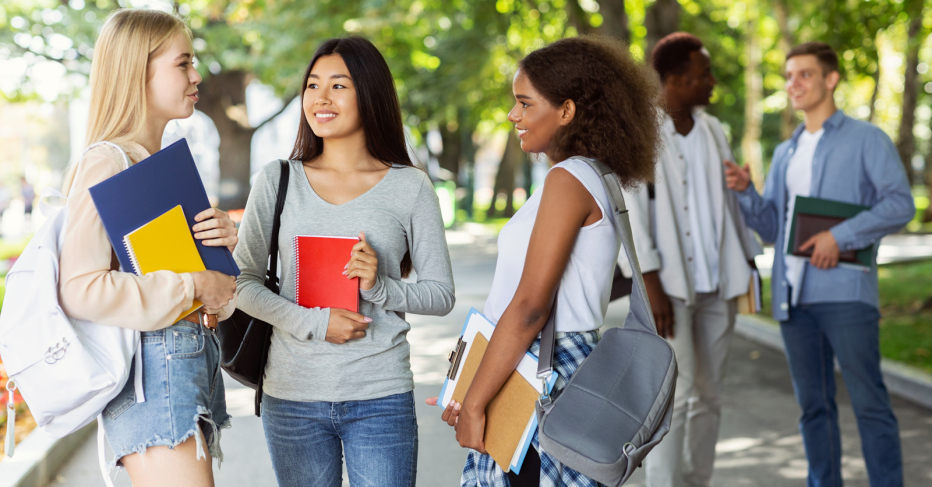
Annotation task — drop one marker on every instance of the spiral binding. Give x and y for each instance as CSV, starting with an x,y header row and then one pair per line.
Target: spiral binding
x,y
132,255
297,272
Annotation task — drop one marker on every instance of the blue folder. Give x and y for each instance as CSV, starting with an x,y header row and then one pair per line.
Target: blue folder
x,y
140,194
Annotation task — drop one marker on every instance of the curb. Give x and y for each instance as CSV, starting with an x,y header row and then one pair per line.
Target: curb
x,y
901,380
39,457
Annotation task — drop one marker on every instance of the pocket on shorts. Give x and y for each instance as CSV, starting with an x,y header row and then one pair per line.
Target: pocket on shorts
x,y
123,401
186,342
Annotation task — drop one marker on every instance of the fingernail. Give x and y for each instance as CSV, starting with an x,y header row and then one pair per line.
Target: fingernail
x,y
346,267
367,319
344,273
457,406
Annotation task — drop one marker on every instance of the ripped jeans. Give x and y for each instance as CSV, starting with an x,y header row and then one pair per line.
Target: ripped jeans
x,y
183,390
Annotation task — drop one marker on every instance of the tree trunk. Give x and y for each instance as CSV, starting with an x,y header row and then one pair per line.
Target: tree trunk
x,y
469,172
785,43
876,76
661,19
452,153
505,178
223,99
906,142
614,20
753,108
579,18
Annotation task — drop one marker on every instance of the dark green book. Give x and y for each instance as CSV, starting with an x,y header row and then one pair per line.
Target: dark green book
x,y
814,215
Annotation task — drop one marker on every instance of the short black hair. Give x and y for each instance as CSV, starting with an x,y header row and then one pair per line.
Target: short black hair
x,y
828,58
671,54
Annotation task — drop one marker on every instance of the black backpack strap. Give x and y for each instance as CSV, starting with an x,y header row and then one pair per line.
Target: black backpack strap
x,y
271,276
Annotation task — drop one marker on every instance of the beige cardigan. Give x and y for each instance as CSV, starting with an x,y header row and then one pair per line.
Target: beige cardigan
x,y
91,287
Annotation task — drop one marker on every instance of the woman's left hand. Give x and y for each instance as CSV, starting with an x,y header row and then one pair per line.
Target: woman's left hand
x,y
216,229
470,429
364,264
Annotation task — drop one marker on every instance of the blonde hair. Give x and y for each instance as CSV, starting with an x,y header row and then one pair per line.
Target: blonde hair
x,y
129,40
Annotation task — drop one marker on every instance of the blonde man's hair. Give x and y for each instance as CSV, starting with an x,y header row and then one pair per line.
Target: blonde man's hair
x,y
128,41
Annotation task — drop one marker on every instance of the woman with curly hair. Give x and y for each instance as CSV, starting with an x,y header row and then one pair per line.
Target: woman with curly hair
x,y
576,97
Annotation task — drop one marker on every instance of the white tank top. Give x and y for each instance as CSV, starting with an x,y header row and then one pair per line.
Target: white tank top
x,y
587,281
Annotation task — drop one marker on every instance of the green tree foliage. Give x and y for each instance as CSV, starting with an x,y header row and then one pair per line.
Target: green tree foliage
x,y
453,60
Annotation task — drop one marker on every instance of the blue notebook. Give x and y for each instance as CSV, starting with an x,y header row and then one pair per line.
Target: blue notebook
x,y
147,190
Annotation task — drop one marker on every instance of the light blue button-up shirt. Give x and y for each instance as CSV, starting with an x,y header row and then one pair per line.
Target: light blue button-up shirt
x,y
854,162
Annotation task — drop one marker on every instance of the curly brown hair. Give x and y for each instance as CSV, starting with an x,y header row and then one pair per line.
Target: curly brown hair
x,y
617,119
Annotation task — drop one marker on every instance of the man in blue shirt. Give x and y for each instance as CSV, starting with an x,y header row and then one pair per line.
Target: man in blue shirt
x,y
826,311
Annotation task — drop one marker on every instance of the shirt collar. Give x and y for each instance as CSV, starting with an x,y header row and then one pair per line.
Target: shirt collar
x,y
831,123
668,126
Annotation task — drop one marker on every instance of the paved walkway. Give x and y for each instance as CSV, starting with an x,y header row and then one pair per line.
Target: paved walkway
x,y
759,445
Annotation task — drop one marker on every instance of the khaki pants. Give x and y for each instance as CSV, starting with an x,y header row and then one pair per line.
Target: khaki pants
x,y
701,337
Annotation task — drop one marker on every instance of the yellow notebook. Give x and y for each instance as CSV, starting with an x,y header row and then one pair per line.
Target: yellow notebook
x,y
165,244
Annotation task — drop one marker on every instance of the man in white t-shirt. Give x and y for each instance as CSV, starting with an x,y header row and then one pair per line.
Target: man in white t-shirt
x,y
694,251
827,311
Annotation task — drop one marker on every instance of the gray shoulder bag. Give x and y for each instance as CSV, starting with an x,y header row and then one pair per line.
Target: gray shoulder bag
x,y
619,402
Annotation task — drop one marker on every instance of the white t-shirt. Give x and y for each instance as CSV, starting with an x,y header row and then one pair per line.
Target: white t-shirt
x,y
587,280
798,183
702,229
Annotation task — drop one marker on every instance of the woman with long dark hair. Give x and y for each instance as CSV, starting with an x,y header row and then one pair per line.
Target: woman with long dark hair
x,y
338,381
576,97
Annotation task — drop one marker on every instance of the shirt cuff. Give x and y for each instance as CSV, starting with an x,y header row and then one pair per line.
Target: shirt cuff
x,y
747,191
317,330
376,295
844,237
187,281
649,261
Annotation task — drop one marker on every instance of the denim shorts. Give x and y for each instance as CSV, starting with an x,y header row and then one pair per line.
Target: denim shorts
x,y
183,390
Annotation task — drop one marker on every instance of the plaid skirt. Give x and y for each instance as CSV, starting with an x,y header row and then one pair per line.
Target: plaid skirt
x,y
481,471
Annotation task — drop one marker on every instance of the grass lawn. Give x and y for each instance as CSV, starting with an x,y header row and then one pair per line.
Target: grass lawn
x,y
906,328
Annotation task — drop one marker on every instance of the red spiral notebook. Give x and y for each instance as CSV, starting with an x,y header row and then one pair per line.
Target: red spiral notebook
x,y
319,279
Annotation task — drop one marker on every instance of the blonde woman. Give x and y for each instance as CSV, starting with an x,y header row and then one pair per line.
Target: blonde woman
x,y
142,77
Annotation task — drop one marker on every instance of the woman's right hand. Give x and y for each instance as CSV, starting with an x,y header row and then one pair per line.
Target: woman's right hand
x,y
345,326
213,289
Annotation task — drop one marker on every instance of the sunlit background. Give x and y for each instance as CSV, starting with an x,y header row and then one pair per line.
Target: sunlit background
x,y
453,62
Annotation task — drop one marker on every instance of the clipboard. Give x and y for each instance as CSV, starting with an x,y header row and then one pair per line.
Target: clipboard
x,y
511,418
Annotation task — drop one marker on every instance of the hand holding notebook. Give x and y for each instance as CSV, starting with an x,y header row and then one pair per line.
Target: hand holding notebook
x,y
164,244
812,216
510,417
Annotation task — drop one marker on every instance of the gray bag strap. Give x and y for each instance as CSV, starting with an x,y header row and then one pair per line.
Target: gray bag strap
x,y
639,316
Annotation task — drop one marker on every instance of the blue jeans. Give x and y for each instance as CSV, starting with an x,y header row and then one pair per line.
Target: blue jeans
x,y
814,334
307,439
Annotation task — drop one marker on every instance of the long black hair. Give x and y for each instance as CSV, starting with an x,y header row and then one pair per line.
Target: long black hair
x,y
377,99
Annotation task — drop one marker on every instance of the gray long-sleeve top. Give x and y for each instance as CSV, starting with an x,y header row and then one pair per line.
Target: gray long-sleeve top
x,y
398,214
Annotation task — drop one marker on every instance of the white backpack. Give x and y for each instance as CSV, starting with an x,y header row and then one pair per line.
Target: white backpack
x,y
66,369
